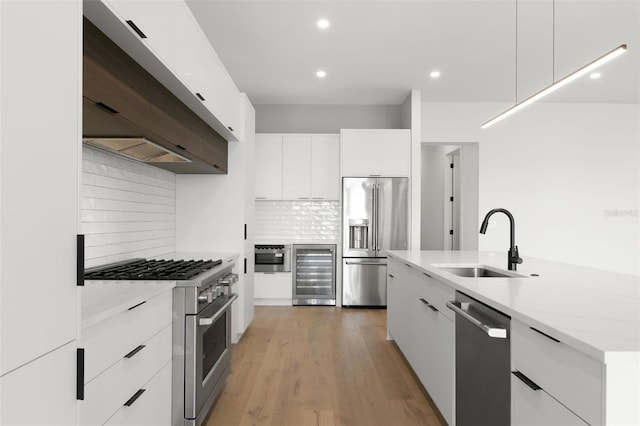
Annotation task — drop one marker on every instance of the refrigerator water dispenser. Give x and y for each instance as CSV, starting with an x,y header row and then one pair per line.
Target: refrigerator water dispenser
x,y
358,233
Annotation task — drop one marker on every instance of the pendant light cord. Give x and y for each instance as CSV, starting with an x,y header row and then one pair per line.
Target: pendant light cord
x,y
553,43
517,52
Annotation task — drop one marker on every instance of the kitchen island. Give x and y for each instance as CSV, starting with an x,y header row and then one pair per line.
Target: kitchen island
x,y
590,317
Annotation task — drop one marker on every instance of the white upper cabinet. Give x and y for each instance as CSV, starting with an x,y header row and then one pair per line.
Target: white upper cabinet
x,y
296,162
325,167
268,166
384,152
308,168
173,35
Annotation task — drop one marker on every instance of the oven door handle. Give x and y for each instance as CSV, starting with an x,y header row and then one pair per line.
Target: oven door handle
x,y
211,320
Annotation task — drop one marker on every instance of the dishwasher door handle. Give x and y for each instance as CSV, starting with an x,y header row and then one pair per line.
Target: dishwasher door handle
x,y
495,332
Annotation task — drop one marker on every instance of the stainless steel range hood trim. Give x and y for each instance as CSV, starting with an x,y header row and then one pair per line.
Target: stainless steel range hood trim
x,y
124,146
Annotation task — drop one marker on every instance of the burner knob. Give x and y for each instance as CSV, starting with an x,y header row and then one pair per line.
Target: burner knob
x,y
202,297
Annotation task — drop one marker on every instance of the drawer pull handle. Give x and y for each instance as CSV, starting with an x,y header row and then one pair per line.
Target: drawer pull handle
x,y
135,396
135,351
545,335
494,332
407,265
527,381
424,273
390,276
135,306
429,305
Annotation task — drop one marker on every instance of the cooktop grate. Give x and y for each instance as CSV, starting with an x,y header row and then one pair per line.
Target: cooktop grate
x,y
152,270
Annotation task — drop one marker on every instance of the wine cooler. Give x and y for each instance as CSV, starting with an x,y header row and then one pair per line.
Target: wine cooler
x,y
314,274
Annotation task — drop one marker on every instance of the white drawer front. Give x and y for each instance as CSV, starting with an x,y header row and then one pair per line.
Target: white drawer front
x,y
107,342
566,374
535,408
434,292
152,408
105,394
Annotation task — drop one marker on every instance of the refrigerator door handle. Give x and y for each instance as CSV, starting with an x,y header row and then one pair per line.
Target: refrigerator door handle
x,y
374,217
377,189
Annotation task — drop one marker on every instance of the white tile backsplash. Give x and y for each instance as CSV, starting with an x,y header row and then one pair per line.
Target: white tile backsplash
x,y
297,221
128,209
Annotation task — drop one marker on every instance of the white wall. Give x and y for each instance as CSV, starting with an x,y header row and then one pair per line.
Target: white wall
x,y
128,209
325,118
568,172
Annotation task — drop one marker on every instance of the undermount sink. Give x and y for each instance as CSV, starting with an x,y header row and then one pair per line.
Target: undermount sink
x,y
477,271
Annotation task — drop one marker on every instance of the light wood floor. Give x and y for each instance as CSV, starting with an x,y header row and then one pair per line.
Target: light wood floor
x,y
320,366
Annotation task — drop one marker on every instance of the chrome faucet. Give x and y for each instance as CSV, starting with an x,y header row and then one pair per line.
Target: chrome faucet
x,y
513,258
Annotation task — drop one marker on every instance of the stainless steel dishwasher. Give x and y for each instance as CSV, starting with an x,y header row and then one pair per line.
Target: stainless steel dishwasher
x,y
483,363
314,274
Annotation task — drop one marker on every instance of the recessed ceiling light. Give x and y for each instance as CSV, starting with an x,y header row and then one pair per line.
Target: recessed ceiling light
x,y
323,23
321,74
595,75
435,74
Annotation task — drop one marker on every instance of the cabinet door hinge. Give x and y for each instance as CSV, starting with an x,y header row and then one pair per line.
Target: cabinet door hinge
x,y
80,260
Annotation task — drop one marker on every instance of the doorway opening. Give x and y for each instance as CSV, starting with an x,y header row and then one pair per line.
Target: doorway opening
x,y
449,196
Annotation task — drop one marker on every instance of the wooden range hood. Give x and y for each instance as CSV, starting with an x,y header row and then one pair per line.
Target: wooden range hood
x,y
128,112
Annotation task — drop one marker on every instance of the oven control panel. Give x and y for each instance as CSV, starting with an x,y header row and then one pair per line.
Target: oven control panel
x,y
222,286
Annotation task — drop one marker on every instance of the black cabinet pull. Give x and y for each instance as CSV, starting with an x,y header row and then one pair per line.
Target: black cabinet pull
x,y
135,306
545,335
391,276
135,351
230,128
433,308
79,260
424,273
135,396
107,108
245,231
245,265
200,96
527,381
135,28
80,374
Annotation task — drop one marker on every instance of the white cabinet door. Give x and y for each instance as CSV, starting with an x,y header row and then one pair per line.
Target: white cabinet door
x,y
325,167
174,36
42,392
40,133
268,167
434,358
296,164
376,152
153,406
273,289
156,22
531,407
400,321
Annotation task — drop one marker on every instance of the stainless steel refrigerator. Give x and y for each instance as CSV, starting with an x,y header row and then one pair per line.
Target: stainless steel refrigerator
x,y
374,219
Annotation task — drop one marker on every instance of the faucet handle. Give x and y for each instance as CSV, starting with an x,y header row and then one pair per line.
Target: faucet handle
x,y
515,256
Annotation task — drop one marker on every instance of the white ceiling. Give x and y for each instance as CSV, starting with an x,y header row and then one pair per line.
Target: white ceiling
x,y
375,52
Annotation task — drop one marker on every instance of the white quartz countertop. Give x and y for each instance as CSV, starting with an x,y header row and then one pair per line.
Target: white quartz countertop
x,y
102,299
596,312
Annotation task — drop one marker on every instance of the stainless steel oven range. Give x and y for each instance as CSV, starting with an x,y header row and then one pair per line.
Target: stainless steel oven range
x,y
202,302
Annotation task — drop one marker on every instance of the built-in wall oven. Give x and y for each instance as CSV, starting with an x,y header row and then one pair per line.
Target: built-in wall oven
x,y
273,258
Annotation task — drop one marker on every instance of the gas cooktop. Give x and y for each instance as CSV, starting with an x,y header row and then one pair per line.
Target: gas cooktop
x,y
142,269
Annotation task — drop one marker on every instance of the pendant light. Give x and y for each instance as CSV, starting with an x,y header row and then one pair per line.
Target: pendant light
x,y
556,84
